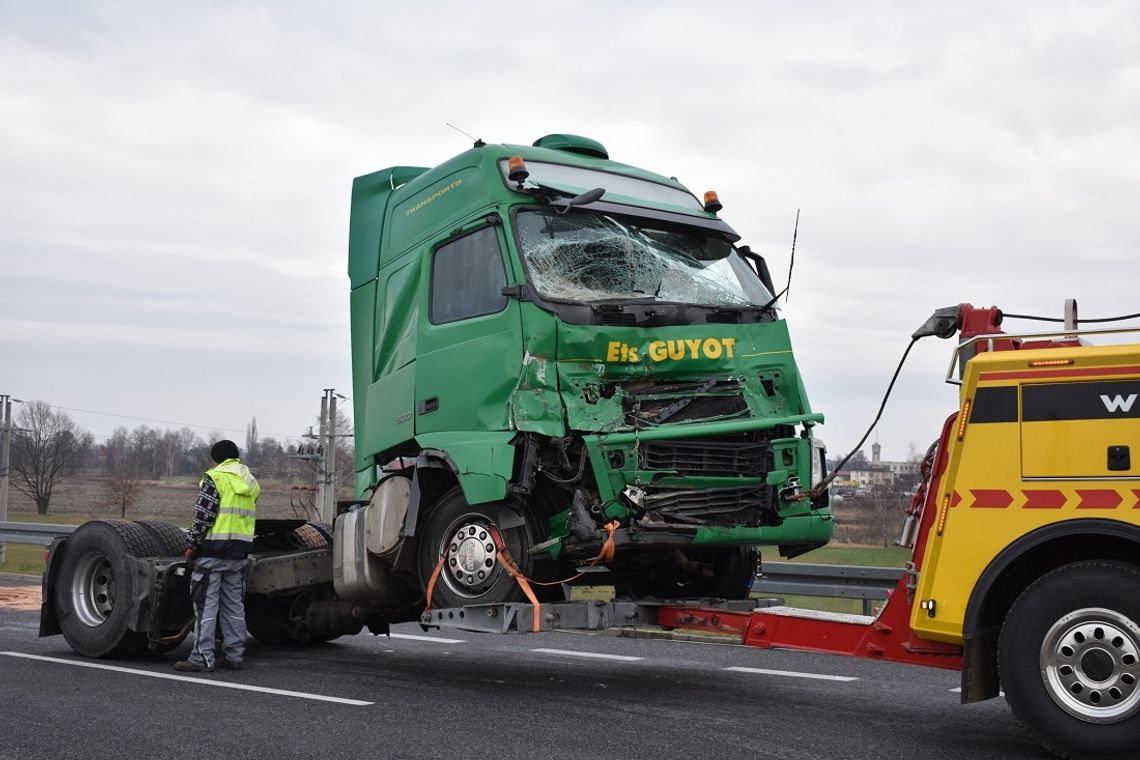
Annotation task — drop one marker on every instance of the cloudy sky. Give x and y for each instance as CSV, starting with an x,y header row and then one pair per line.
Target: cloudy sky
x,y
174,177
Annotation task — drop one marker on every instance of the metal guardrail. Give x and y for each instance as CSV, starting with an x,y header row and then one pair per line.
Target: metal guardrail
x,y
32,533
869,584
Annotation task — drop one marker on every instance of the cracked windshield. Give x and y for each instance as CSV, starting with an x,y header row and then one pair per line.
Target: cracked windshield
x,y
589,256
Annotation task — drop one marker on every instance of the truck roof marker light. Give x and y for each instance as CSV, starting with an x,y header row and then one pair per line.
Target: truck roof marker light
x,y
1051,363
964,418
712,202
517,171
942,514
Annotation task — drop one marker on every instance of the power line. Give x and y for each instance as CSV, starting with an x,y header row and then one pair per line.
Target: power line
x,y
165,422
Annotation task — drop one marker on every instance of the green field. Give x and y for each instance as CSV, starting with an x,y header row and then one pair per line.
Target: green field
x,y
25,559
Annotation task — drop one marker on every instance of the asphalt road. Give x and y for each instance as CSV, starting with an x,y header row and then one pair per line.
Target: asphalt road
x,y
465,695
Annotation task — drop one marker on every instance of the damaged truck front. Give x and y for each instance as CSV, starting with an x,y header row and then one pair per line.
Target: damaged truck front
x,y
557,349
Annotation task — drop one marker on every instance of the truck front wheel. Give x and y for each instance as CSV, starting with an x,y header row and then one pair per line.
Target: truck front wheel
x,y
472,572
1069,659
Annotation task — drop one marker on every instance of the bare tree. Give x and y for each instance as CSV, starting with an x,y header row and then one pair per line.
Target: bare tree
x,y
121,487
48,447
251,448
345,452
144,444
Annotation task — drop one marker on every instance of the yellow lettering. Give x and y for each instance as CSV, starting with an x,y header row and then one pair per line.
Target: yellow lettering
x,y
612,353
676,350
728,344
694,345
712,348
633,357
657,351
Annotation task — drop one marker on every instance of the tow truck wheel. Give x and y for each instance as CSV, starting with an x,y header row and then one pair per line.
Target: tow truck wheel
x,y
1069,659
95,587
472,572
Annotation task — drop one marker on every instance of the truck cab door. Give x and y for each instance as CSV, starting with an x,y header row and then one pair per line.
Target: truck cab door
x,y
470,335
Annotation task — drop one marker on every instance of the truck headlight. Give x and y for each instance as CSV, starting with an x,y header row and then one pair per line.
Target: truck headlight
x,y
818,462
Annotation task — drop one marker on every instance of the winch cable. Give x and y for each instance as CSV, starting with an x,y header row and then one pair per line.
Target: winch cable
x,y
1101,320
818,488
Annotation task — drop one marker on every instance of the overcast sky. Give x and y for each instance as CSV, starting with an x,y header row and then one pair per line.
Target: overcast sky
x,y
174,177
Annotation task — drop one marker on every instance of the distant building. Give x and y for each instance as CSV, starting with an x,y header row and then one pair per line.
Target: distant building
x,y
876,474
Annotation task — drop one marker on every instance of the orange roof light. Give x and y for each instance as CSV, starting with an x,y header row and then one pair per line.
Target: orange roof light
x,y
517,171
712,202
964,418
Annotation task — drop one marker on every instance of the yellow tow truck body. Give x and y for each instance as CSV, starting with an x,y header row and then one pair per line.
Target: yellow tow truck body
x,y
1042,447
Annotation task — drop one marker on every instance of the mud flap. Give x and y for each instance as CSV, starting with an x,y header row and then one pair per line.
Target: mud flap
x,y
176,590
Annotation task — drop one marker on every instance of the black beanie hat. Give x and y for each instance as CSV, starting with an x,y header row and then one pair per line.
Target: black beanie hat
x,y
223,450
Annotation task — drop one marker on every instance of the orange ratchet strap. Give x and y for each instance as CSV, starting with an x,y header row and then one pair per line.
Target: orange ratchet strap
x,y
432,580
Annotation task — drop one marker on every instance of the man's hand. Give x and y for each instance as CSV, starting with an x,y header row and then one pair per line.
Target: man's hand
x,y
189,555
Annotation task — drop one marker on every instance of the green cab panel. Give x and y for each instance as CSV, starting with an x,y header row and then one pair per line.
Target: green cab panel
x,y
483,461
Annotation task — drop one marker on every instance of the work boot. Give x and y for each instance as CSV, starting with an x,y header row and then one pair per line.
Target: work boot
x,y
189,666
231,664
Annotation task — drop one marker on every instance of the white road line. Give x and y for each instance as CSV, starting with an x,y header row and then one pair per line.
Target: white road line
x,y
416,637
591,655
191,679
958,690
792,674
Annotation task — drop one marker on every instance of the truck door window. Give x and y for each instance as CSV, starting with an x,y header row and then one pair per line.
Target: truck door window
x,y
467,278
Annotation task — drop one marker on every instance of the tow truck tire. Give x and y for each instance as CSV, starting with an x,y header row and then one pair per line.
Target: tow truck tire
x,y
96,585
472,572
1069,659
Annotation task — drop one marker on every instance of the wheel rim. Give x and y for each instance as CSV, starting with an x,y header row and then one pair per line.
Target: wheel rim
x,y
471,562
93,589
1089,665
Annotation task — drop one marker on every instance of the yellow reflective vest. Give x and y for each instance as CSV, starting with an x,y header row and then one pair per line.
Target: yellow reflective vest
x,y
231,535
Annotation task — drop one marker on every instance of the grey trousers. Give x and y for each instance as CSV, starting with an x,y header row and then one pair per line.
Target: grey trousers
x,y
217,587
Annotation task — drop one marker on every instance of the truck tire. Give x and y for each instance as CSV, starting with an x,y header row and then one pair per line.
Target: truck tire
x,y
472,573
96,586
1069,659
271,620
170,539
280,620
734,569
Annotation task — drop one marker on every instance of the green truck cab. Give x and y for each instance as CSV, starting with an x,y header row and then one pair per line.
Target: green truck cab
x,y
554,347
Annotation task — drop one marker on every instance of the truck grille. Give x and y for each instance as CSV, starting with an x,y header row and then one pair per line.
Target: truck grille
x,y
713,506
657,402
708,457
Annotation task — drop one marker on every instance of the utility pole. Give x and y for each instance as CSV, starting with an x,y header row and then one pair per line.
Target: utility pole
x,y
324,460
328,514
322,468
5,453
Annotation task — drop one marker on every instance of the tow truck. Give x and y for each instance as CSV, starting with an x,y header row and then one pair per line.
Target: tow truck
x,y
1025,536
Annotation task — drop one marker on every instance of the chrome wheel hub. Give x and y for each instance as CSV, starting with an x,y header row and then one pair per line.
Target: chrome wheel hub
x,y
1089,665
93,589
470,557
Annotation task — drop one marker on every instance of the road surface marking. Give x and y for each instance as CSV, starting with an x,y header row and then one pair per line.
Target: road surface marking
x,y
958,690
592,655
191,679
792,674
436,639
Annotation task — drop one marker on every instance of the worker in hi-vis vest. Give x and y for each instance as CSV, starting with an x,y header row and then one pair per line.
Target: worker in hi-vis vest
x,y
220,540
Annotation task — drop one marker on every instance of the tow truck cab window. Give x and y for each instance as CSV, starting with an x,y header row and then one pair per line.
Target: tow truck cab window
x,y
467,277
